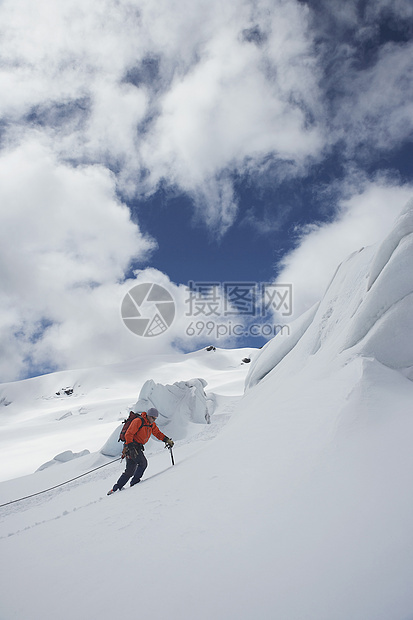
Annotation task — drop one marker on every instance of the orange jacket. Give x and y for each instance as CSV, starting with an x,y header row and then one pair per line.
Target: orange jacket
x,y
140,429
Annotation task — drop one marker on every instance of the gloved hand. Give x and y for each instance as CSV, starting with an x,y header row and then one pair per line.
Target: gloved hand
x,y
124,451
168,442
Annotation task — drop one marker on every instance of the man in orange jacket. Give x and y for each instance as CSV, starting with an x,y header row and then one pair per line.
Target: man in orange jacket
x,y
138,433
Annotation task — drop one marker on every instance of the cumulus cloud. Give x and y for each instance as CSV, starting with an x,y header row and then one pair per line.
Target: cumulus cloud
x,y
188,96
180,94
364,218
66,243
366,57
90,330
64,238
189,93
246,98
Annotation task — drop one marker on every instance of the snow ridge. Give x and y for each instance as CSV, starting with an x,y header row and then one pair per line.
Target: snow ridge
x,y
366,311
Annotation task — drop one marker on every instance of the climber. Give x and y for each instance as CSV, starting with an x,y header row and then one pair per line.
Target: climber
x,y
137,434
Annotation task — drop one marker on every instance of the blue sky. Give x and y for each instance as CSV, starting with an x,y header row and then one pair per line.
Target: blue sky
x,y
251,141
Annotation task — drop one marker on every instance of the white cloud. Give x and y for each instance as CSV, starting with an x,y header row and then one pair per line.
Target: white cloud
x,y
66,242
240,103
64,239
364,219
226,109
233,85
219,101
110,135
366,82
90,330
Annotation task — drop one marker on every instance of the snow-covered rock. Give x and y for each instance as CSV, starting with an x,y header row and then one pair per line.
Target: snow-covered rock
x,y
112,446
179,404
63,457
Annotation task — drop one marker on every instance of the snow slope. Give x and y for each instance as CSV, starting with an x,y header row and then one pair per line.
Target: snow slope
x,y
295,503
366,311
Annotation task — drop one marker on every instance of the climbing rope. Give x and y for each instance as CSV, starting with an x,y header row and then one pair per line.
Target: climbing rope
x,y
59,485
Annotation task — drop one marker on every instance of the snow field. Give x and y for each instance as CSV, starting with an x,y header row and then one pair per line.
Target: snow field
x,y
295,503
37,424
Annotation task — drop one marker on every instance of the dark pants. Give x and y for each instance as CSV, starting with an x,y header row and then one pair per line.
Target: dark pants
x,y
134,469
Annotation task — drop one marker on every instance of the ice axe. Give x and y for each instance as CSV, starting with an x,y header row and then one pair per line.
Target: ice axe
x,y
172,454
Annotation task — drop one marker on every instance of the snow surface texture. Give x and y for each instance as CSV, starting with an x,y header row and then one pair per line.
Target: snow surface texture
x,y
294,503
80,409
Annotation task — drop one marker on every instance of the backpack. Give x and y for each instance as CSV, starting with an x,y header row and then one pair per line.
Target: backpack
x,y
126,424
